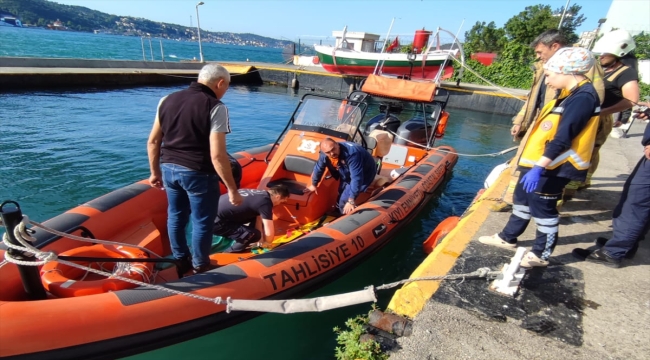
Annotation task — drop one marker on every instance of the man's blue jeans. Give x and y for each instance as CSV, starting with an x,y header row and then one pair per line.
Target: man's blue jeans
x,y
196,194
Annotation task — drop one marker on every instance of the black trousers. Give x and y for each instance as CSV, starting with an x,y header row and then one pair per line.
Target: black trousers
x,y
540,205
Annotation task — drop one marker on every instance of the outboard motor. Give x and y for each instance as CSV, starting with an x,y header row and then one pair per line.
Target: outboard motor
x,y
414,130
386,120
381,122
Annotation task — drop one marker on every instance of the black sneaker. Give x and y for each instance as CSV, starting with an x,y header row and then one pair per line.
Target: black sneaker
x,y
183,266
203,268
581,254
600,242
600,257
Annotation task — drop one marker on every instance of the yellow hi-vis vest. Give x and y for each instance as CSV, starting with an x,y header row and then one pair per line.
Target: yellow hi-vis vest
x,y
579,155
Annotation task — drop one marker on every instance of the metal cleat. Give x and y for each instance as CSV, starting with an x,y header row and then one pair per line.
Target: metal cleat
x,y
511,275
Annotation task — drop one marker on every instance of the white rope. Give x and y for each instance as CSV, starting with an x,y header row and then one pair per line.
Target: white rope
x,y
51,256
488,81
502,152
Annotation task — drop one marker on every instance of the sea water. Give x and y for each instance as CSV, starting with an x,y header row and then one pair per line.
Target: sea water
x,y
36,42
60,149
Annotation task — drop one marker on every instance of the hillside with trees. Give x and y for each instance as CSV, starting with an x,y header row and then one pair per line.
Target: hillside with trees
x,y
42,13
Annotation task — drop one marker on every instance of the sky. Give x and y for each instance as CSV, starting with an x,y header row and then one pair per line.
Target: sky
x,y
311,20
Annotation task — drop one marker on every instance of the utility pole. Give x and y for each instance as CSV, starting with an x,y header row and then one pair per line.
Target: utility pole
x,y
198,27
566,7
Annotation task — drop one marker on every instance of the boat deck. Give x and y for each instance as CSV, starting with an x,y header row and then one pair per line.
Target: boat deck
x,y
571,310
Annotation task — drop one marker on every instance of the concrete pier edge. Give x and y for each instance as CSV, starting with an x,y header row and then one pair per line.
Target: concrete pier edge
x,y
411,299
571,309
20,74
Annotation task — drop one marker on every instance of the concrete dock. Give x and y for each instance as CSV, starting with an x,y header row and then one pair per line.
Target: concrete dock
x,y
20,74
570,310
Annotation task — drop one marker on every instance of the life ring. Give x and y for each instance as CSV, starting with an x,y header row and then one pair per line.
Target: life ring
x,y
67,281
439,233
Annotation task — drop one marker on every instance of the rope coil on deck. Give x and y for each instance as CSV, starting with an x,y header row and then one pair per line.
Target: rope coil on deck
x,y
287,306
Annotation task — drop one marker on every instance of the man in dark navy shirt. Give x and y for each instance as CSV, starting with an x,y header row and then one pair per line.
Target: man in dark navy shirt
x,y
247,222
348,162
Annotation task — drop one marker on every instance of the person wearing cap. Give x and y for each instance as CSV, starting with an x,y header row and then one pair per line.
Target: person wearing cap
x,y
621,89
545,46
557,150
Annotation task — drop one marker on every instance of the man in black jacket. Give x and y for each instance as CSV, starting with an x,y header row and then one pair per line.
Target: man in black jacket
x,y
187,157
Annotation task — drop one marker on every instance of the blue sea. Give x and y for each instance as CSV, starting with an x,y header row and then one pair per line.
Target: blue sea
x,y
60,149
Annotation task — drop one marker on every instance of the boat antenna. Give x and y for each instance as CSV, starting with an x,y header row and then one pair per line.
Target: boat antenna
x,y
444,63
344,38
381,60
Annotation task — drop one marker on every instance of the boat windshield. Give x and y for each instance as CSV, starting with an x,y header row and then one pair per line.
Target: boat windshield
x,y
332,114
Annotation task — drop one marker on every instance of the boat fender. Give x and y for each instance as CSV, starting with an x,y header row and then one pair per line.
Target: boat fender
x,y
439,233
442,124
61,280
494,175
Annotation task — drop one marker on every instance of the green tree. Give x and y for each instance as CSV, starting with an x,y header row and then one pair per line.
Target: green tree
x,y
534,20
484,38
642,50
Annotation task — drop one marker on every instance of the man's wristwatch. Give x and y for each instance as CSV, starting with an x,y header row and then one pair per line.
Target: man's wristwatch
x,y
351,202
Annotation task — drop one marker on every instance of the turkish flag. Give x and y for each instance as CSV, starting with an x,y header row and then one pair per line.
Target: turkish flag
x,y
393,45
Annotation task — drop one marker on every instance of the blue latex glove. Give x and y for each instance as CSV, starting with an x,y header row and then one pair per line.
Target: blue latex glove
x,y
531,178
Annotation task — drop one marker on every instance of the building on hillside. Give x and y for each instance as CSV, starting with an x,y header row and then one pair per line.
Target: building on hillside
x,y
631,15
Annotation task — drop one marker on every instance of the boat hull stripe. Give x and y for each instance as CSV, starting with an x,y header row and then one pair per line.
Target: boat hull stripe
x,y
434,159
388,198
354,221
423,169
65,222
409,181
117,197
294,249
204,280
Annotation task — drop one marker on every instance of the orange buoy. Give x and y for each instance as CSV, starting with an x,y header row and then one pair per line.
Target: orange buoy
x,y
67,281
442,124
439,233
315,60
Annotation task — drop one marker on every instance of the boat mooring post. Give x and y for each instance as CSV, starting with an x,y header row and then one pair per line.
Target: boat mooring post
x,y
11,217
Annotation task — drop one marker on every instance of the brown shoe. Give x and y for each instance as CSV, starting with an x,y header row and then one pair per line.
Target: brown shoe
x,y
501,206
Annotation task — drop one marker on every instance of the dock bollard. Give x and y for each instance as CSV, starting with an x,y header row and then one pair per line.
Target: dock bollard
x,y
11,217
391,323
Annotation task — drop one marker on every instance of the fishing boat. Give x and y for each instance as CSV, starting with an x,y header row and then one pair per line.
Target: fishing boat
x,y
358,53
58,303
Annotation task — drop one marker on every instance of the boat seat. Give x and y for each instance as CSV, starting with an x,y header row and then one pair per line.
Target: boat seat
x,y
297,165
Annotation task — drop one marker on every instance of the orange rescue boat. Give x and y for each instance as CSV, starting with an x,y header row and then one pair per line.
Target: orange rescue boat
x,y
56,311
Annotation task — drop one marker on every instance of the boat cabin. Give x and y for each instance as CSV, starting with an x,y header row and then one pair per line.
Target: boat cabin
x,y
354,40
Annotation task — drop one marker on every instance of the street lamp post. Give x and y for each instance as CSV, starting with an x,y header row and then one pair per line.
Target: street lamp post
x,y
198,28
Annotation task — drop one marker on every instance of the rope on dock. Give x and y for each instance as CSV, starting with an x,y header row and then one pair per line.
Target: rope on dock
x,y
288,306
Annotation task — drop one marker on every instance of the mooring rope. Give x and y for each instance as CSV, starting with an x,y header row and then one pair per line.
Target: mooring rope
x,y
488,81
499,153
278,306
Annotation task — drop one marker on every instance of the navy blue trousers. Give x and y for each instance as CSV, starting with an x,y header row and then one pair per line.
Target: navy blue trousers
x,y
345,193
631,218
541,205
